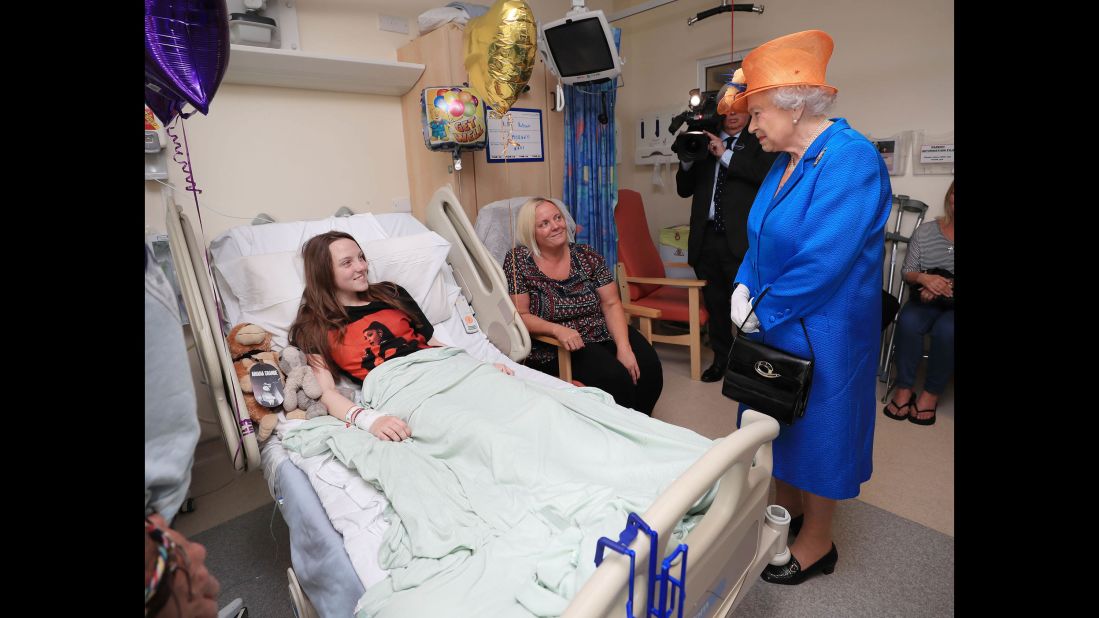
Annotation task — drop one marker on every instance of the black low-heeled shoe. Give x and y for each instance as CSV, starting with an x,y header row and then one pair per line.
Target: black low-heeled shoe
x,y
791,573
714,373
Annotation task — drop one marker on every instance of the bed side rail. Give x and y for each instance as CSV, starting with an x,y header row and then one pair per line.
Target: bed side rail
x,y
213,351
742,483
479,275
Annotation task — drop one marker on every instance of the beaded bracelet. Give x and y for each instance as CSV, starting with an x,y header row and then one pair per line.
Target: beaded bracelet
x,y
156,594
157,590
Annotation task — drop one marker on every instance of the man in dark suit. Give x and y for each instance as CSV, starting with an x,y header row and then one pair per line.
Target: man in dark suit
x,y
731,173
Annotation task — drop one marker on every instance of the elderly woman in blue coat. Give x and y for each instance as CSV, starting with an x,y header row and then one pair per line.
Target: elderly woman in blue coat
x,y
815,235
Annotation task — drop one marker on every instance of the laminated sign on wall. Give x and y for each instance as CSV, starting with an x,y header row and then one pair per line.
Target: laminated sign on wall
x,y
516,136
933,154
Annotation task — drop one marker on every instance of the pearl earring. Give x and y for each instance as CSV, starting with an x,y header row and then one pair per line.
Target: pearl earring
x,y
795,121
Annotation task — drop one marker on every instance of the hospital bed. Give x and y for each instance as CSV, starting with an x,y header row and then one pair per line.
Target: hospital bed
x,y
335,517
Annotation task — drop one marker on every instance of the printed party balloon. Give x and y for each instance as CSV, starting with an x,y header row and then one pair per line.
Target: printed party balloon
x,y
455,125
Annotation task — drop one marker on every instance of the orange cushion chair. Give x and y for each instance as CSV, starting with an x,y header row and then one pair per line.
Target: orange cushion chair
x,y
642,280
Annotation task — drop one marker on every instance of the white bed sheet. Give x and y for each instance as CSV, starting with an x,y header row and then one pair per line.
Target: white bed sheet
x,y
353,506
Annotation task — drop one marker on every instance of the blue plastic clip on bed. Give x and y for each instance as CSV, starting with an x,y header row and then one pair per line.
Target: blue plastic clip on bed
x,y
622,546
666,581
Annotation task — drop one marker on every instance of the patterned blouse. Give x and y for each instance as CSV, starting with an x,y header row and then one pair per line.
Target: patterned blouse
x,y
573,302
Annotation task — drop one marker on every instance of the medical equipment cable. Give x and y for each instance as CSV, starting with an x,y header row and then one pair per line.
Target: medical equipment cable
x,y
217,489
265,218
271,527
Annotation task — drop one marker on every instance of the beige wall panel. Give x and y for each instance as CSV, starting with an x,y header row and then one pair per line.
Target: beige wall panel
x,y
427,170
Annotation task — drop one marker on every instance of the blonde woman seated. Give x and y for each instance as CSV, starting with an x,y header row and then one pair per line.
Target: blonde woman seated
x,y
565,290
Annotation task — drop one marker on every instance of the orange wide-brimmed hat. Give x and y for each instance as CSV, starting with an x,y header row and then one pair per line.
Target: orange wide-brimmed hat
x,y
798,59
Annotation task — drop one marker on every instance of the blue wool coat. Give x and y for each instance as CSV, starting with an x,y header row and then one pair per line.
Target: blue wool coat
x,y
818,247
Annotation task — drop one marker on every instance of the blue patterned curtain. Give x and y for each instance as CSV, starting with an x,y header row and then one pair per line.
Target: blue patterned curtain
x,y
591,184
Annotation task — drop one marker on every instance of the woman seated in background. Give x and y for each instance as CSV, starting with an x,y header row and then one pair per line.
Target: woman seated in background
x,y
565,290
929,268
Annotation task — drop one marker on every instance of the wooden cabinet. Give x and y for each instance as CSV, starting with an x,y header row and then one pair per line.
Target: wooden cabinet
x,y
480,182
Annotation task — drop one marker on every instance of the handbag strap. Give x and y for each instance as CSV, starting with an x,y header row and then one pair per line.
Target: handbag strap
x,y
740,328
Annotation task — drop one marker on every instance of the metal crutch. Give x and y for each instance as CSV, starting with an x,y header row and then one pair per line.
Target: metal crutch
x,y
904,204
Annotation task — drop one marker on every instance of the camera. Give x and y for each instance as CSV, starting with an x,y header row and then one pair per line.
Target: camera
x,y
701,115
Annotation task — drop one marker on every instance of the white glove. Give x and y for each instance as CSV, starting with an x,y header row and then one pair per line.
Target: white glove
x,y
740,306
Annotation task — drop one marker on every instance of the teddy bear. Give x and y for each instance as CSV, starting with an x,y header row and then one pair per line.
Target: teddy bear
x,y
249,344
303,391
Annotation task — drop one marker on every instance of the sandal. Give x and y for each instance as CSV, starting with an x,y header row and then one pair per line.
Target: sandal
x,y
923,421
899,407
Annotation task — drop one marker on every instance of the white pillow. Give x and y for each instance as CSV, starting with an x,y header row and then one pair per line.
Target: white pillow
x,y
290,236
416,264
267,289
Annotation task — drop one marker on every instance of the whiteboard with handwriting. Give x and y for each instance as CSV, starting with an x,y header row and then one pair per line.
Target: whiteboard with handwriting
x,y
525,144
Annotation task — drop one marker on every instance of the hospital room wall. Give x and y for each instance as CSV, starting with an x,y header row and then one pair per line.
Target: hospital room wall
x,y
294,153
302,154
893,64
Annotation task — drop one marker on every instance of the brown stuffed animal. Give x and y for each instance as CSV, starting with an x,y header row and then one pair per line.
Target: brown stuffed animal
x,y
249,344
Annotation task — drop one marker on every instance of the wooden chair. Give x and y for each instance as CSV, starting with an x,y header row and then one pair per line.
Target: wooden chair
x,y
564,357
642,281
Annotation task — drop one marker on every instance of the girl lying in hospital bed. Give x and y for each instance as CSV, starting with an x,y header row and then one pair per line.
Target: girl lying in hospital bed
x,y
499,488
356,325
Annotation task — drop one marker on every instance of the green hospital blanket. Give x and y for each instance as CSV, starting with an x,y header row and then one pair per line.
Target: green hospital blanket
x,y
497,501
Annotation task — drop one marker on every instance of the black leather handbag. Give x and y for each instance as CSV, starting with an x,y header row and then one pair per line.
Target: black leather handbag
x,y
768,379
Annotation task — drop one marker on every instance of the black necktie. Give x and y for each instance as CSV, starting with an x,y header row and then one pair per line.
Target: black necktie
x,y
719,188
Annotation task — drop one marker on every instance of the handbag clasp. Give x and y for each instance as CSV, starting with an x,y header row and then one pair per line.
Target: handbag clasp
x,y
765,369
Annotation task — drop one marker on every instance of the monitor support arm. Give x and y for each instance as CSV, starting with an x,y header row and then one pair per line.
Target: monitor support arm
x,y
725,8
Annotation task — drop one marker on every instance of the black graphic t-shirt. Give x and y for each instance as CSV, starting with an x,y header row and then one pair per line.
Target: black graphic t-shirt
x,y
377,333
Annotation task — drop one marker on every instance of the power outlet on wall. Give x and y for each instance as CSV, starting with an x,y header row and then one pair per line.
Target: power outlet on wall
x,y
388,23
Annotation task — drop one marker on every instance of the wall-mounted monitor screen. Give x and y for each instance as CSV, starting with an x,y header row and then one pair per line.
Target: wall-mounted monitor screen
x,y
580,48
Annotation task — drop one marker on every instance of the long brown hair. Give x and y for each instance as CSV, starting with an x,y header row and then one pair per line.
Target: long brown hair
x,y
321,311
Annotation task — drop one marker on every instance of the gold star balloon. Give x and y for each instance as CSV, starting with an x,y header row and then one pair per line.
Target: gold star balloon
x,y
501,46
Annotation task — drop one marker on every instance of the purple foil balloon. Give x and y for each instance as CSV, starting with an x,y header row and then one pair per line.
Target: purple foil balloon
x,y
164,105
186,51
